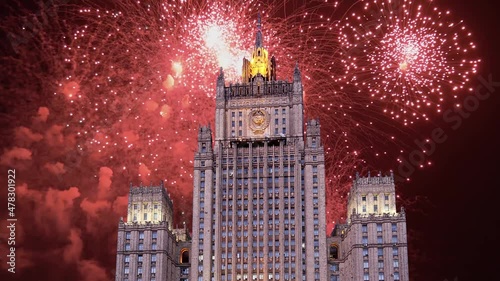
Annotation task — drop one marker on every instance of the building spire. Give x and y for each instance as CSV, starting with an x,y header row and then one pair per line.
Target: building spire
x,y
258,38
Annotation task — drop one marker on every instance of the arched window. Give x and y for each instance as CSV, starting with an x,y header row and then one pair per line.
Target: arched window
x,y
334,251
184,258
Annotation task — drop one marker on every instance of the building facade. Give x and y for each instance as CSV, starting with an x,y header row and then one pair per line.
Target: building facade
x,y
259,182
372,245
259,200
148,247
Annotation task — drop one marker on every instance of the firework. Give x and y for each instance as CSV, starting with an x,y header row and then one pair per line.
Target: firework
x,y
127,86
407,54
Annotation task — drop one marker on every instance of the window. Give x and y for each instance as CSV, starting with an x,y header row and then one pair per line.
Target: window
x,y
153,269
364,209
365,264
365,252
395,263
381,276
155,216
141,234
364,228
366,277
126,258
386,207
127,247
126,270
154,234
139,270
140,258
127,235
153,246
153,258
394,227
396,276
379,239
379,227
394,239
395,251
135,207
375,208
386,197
146,216
363,198
380,264
380,251
364,240
156,207
141,246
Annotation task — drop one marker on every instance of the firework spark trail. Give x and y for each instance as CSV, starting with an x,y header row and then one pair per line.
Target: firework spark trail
x,y
130,83
408,54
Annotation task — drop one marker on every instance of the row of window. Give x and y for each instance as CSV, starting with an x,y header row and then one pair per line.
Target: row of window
x,y
146,216
375,197
364,227
381,276
154,234
145,206
375,208
140,246
380,251
380,239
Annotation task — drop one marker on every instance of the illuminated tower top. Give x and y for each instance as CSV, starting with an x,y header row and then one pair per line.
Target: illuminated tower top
x,y
259,64
372,195
149,204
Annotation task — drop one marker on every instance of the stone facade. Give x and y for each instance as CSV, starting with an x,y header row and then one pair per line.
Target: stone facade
x,y
259,183
372,245
148,248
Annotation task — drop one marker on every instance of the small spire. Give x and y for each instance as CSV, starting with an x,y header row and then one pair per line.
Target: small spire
x,y
296,72
258,39
220,78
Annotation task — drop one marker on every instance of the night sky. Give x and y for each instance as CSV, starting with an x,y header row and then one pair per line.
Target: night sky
x,y
455,232
452,216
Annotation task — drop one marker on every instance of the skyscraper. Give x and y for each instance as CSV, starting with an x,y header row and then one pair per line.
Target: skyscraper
x,y
148,247
259,182
372,245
